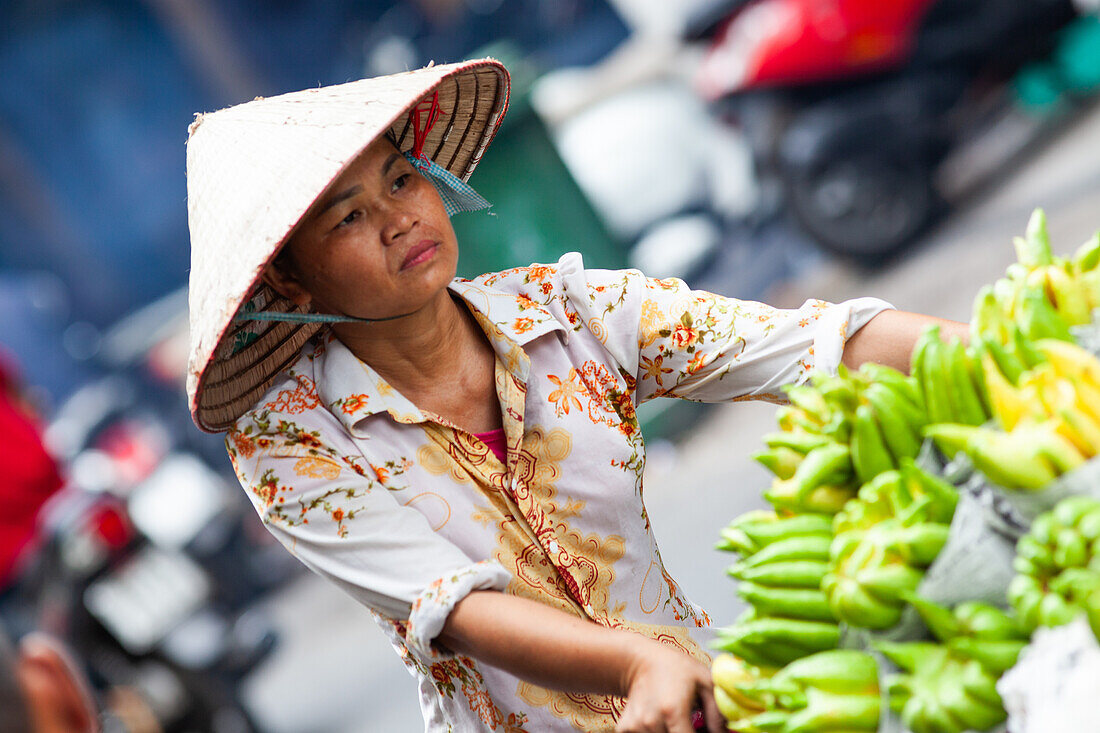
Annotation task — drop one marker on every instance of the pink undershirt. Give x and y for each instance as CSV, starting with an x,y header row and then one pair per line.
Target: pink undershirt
x,y
497,443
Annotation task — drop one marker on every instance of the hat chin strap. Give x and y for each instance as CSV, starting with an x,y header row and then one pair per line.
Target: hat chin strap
x,y
310,317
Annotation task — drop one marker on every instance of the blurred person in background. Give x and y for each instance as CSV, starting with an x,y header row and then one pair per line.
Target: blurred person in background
x,y
31,475
42,690
463,457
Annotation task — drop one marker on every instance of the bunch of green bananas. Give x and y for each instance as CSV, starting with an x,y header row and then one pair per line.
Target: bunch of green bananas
x,y
1050,417
838,433
1041,293
783,562
884,541
975,630
1058,566
835,690
950,378
940,691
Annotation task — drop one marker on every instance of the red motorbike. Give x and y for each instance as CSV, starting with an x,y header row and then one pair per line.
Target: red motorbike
x,y
854,107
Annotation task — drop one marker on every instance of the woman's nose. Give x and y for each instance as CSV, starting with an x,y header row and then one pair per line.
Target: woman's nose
x,y
398,223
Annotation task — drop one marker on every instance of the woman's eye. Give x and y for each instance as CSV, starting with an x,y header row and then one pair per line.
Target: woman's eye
x,y
349,218
400,181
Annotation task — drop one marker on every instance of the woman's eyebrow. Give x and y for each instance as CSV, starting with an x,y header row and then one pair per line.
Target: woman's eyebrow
x,y
342,196
389,163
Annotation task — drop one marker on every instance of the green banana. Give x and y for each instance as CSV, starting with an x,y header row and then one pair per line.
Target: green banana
x,y
833,691
1087,256
986,622
798,547
1033,249
941,693
889,582
995,656
987,318
963,394
944,496
789,417
936,392
841,671
1008,363
799,441
1069,512
764,533
827,464
823,711
939,620
1054,610
1038,319
735,540
793,603
781,461
790,574
855,606
810,401
869,455
900,430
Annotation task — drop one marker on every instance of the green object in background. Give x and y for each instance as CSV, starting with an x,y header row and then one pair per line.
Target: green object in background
x,y
1078,55
539,212
1073,67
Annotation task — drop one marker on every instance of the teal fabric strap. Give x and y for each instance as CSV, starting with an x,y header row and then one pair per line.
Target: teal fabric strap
x,y
457,195
307,317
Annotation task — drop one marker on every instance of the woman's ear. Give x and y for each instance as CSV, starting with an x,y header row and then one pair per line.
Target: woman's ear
x,y
280,276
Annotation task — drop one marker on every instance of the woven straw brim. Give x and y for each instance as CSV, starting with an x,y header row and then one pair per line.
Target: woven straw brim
x,y
253,172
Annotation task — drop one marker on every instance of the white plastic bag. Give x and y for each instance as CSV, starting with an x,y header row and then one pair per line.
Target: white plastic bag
x,y
1055,685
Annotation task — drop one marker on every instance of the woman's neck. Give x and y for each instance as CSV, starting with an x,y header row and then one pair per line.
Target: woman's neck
x,y
420,351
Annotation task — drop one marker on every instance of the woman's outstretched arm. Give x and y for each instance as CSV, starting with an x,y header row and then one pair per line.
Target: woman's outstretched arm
x,y
888,338
552,649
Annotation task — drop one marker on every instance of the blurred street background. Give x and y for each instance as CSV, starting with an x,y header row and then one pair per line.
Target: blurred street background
x,y
774,150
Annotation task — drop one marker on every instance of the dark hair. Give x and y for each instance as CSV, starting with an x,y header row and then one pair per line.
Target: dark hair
x,y
14,715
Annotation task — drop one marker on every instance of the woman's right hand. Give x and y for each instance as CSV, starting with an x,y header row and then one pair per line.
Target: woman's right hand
x,y
664,686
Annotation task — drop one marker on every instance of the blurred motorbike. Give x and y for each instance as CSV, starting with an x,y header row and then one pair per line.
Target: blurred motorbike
x,y
148,563
866,117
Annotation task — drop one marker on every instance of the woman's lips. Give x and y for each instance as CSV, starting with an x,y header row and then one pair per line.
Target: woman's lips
x,y
418,253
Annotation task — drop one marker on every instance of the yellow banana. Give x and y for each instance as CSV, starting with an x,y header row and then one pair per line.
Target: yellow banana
x,y
1054,392
1088,398
1090,283
1007,403
1070,360
1079,428
729,673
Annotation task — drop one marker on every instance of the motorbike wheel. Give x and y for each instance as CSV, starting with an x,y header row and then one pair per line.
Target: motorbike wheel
x,y
864,208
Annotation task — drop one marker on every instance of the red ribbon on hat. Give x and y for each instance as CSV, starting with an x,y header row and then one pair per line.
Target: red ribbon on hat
x,y
420,134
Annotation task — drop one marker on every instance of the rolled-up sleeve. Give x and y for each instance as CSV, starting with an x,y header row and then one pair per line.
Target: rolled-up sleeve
x,y
696,345
331,513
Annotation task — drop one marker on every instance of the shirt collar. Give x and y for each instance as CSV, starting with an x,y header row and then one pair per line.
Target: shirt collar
x,y
353,391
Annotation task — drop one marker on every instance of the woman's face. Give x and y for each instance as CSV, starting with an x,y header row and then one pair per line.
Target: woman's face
x,y
377,243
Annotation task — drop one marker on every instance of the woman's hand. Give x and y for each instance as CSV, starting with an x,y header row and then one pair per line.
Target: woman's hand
x,y
663,687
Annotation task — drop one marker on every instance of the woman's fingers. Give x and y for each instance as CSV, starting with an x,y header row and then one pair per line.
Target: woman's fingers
x,y
716,722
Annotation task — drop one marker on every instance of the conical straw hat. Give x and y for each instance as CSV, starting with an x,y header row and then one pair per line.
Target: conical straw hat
x,y
255,169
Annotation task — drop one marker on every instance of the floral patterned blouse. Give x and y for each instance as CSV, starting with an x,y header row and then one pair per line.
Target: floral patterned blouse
x,y
409,513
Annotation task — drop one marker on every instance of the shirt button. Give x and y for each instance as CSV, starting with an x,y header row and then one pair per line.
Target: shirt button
x,y
553,546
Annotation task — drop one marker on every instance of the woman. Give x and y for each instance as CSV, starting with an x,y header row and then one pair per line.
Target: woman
x,y
463,457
